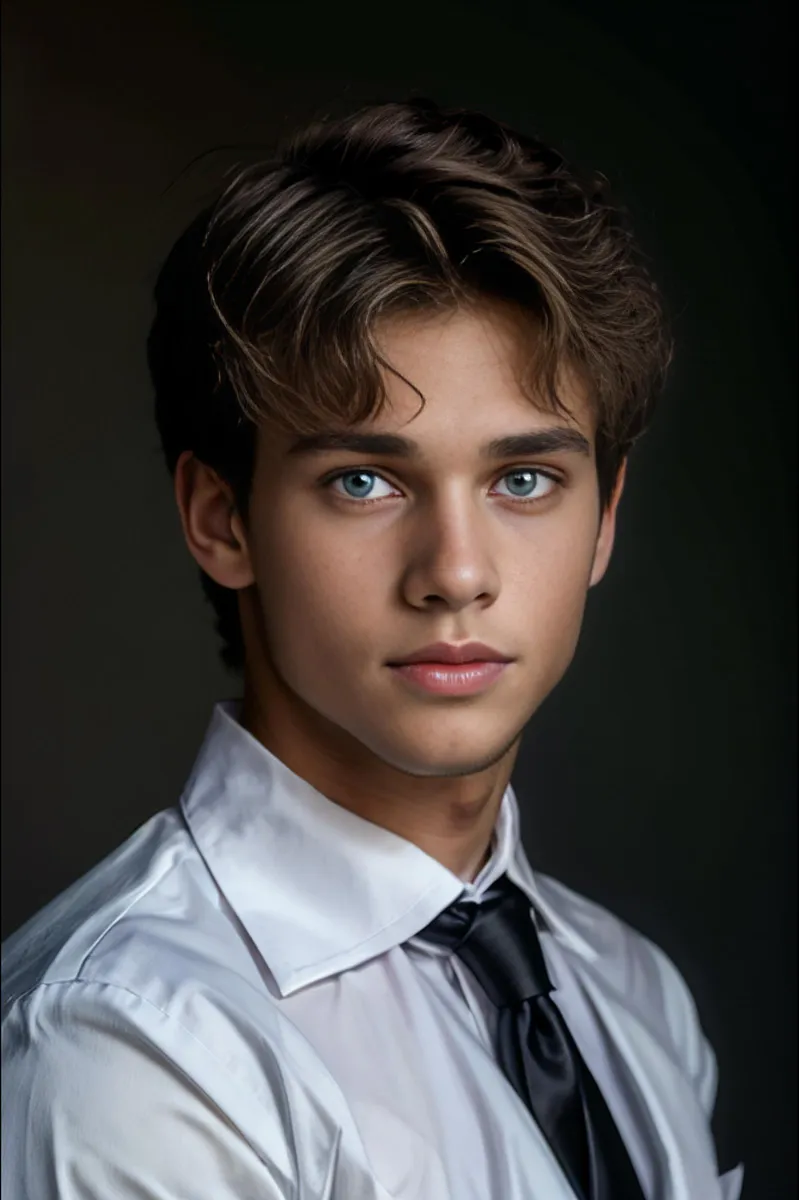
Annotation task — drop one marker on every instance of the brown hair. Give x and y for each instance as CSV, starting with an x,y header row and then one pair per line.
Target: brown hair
x,y
267,304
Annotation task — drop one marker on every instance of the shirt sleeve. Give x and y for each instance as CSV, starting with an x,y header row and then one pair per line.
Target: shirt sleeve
x,y
94,1106
691,1044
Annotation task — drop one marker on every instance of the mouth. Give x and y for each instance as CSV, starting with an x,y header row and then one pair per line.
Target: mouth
x,y
451,669
453,654
451,679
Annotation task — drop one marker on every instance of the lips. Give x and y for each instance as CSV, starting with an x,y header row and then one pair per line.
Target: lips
x,y
453,653
450,679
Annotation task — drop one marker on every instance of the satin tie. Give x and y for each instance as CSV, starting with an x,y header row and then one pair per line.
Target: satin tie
x,y
498,942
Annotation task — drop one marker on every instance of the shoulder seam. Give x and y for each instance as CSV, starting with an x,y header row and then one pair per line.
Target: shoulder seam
x,y
134,900
121,988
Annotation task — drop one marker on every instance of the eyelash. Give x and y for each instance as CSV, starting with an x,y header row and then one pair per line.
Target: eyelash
x,y
550,475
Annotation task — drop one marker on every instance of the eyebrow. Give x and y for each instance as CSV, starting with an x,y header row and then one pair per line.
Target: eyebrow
x,y
555,440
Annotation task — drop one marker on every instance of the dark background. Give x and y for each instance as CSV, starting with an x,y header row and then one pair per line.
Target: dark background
x,y
659,778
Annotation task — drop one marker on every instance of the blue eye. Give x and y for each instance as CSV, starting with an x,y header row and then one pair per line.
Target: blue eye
x,y
529,479
359,485
361,490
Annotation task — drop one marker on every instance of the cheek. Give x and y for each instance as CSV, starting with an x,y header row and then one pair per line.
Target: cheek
x,y
551,586
557,567
318,594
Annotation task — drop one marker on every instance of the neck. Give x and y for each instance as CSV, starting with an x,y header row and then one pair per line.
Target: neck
x,y
450,818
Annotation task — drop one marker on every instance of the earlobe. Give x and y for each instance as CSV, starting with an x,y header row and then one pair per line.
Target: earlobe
x,y
211,525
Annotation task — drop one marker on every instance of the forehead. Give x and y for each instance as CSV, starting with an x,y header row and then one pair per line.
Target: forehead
x,y
472,360
491,334
468,368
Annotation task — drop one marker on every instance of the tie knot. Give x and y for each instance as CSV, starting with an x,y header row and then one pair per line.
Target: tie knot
x,y
498,942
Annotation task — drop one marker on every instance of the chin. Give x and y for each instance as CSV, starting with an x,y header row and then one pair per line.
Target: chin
x,y
444,757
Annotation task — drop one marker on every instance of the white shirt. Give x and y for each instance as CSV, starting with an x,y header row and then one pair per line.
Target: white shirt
x,y
232,1006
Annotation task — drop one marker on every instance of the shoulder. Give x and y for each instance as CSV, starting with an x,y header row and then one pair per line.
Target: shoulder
x,y
119,1098
637,969
139,1040
145,920
55,943
143,943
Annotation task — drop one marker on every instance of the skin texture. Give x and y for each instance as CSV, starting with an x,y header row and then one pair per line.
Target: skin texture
x,y
332,588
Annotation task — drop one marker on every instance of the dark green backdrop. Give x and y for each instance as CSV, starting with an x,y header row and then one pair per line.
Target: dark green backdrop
x,y
659,777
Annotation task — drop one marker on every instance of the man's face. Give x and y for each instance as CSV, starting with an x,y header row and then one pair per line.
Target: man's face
x,y
362,558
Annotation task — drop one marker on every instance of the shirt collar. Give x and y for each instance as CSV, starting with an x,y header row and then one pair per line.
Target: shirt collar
x,y
319,889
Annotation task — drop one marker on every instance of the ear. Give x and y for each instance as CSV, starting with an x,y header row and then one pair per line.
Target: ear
x,y
607,529
212,527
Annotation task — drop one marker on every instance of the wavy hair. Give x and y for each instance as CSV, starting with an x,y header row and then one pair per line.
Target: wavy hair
x,y
266,306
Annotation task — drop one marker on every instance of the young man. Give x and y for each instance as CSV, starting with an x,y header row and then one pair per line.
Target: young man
x,y
398,371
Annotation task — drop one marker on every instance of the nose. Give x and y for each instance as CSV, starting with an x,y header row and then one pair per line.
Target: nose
x,y
451,560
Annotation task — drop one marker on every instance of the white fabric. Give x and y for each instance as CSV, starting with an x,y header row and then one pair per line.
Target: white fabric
x,y
232,1006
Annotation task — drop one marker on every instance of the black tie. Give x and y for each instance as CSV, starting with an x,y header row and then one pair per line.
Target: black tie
x,y
498,942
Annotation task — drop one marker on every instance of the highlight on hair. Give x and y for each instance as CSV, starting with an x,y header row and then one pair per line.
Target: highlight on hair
x,y
267,306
